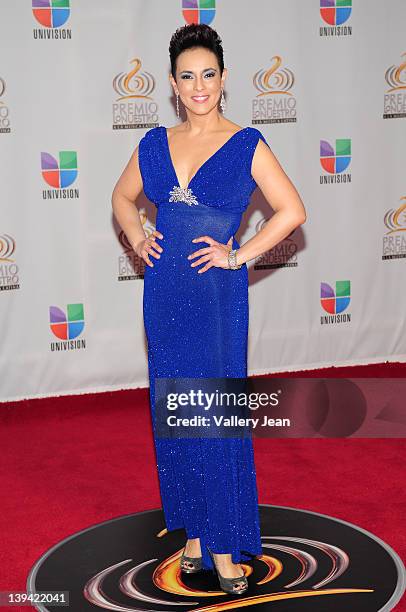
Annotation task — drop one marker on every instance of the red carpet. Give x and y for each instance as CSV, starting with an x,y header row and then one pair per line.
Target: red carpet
x,y
73,461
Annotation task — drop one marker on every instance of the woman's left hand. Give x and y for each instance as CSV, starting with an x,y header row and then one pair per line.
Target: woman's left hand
x,y
214,255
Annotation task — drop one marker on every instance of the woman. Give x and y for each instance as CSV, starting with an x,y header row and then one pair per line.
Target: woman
x,y
200,174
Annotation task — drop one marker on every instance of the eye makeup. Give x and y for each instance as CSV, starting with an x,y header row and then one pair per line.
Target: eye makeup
x,y
209,72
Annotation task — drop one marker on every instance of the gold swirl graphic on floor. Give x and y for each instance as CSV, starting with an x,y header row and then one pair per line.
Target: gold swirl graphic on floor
x,y
167,577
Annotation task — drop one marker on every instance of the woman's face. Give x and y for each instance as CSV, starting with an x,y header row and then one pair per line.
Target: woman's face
x,y
198,79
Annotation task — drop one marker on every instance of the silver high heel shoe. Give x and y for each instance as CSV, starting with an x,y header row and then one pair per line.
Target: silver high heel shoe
x,y
228,584
190,565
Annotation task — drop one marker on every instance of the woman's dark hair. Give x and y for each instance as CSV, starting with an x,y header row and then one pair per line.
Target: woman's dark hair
x,y
195,35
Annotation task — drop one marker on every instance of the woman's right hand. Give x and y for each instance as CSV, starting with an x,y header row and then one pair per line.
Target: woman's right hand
x,y
147,247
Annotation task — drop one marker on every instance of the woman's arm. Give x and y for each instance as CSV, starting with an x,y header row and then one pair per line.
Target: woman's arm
x,y
282,197
125,193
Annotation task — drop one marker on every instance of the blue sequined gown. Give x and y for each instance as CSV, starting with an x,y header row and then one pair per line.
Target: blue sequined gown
x,y
197,326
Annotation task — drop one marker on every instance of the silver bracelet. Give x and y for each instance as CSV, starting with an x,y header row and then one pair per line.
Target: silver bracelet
x,y
232,260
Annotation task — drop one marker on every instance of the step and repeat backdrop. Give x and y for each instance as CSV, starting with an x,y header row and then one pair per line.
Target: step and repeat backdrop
x,y
81,81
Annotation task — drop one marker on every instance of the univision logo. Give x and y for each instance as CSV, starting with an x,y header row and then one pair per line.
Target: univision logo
x,y
335,302
59,175
51,14
335,13
394,241
275,102
334,162
4,112
199,11
67,326
9,278
134,106
395,96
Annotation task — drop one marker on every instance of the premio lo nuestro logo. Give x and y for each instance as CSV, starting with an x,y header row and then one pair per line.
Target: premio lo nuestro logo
x,y
395,96
4,112
67,326
130,266
7,248
274,102
394,241
9,277
335,302
282,255
52,15
134,106
334,162
335,13
60,174
308,561
199,11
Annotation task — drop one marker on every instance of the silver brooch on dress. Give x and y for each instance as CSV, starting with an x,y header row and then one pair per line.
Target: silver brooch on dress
x,y
182,194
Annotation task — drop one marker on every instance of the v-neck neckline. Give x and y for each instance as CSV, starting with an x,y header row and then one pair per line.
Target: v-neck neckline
x,y
203,165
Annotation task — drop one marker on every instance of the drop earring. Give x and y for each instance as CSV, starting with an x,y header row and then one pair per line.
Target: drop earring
x,y
177,105
222,101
